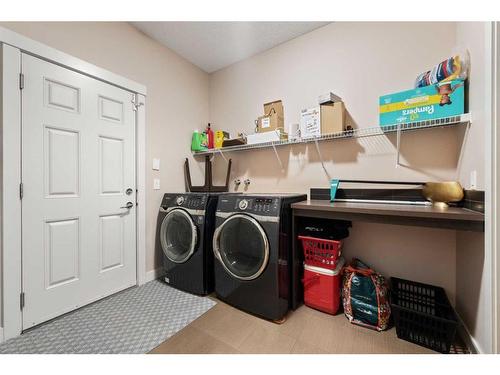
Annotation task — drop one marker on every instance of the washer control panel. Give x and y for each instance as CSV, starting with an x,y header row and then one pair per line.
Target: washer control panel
x,y
258,205
179,200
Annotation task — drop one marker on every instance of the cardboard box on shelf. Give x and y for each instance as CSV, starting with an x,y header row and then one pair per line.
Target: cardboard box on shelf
x,y
273,117
325,119
274,107
424,103
234,141
332,117
269,123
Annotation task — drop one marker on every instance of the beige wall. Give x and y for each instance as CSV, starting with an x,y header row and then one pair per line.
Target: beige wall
x,y
359,62
412,253
473,301
177,98
473,36
474,283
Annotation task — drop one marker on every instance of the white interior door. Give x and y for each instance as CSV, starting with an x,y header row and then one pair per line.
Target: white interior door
x,y
79,243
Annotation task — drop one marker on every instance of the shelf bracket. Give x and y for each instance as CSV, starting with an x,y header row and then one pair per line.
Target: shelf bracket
x,y
321,160
222,154
278,157
462,150
398,145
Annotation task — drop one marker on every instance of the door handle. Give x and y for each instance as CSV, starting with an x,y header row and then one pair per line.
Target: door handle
x,y
128,206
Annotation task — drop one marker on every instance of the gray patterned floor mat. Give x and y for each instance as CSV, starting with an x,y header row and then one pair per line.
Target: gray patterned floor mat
x,y
133,321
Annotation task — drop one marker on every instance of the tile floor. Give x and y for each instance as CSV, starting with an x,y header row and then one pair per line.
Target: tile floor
x,y
225,330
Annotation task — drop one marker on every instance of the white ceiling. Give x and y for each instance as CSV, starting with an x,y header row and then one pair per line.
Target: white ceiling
x,y
215,45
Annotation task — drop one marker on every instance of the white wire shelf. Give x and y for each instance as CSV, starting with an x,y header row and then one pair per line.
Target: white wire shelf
x,y
350,134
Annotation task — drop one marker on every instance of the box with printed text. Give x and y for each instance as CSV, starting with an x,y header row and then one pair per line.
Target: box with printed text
x,y
424,103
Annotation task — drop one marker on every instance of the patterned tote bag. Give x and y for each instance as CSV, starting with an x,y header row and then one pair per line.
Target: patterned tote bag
x,y
365,296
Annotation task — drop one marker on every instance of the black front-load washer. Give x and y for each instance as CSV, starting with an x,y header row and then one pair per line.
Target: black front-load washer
x,y
184,236
253,255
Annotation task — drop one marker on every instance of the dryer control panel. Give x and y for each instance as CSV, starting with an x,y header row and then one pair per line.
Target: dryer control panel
x,y
192,201
196,202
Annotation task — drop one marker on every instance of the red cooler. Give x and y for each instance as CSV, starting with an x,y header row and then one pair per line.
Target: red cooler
x,y
322,287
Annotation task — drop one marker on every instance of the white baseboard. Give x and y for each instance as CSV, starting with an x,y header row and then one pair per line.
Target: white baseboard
x,y
464,333
153,274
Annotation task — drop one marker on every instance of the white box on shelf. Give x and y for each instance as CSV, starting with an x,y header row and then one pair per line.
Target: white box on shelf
x,y
310,122
271,136
329,98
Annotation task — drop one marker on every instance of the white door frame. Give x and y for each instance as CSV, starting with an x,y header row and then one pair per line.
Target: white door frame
x,y
12,45
494,180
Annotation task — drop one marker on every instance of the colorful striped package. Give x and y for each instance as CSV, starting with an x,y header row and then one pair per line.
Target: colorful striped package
x,y
450,69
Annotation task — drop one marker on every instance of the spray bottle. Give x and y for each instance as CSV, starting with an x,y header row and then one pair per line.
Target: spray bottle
x,y
210,137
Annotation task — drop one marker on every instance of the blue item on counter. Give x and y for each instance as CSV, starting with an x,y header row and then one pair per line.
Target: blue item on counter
x,y
334,184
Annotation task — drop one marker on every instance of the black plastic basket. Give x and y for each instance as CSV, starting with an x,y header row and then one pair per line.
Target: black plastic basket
x,y
423,315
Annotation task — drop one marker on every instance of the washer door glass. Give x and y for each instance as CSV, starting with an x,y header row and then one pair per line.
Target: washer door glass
x,y
241,245
178,236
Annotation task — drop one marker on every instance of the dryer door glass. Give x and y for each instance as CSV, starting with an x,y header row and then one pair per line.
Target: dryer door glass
x,y
178,236
241,245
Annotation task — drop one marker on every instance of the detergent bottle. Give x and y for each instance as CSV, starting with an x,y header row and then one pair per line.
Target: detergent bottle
x,y
210,137
197,142
204,140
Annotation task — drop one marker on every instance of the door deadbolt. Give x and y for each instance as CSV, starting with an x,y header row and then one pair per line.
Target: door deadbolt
x,y
129,191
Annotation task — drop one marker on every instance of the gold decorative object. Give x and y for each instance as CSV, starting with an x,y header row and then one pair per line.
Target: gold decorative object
x,y
442,193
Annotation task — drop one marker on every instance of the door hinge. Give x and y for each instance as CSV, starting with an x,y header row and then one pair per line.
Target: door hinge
x,y
21,81
21,190
22,300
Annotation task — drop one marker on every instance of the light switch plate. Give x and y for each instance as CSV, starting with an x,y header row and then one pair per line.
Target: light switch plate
x,y
473,180
156,164
156,184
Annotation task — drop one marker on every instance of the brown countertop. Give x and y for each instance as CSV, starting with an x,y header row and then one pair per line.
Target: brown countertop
x,y
400,214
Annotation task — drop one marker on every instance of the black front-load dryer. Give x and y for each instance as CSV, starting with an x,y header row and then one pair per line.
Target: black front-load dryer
x,y
184,236
253,255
